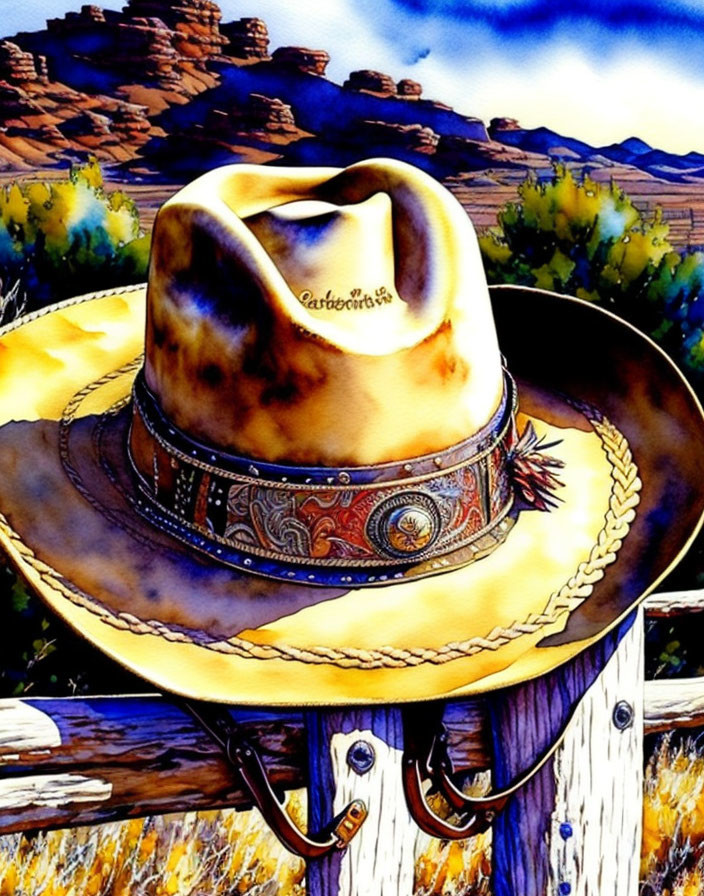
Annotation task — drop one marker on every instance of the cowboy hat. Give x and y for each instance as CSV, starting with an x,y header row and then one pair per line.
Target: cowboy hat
x,y
334,476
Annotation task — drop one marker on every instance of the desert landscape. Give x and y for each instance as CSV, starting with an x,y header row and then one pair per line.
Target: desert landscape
x,y
161,91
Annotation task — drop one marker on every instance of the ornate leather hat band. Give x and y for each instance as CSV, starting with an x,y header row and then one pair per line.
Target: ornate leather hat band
x,y
286,521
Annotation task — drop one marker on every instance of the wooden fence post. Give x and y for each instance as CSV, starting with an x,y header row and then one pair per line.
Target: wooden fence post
x,y
576,827
380,859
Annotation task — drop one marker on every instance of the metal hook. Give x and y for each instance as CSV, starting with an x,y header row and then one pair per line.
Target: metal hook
x,y
427,820
426,757
244,757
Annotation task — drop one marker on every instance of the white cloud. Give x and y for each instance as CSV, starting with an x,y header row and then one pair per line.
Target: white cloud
x,y
563,90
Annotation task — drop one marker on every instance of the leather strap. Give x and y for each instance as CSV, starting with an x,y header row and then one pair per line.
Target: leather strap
x,y
243,756
426,757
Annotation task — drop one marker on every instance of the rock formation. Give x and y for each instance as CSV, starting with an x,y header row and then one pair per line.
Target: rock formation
x,y
503,124
269,113
88,16
16,66
164,81
372,82
409,89
142,46
195,23
312,62
130,122
260,113
16,104
247,39
408,136
90,126
145,48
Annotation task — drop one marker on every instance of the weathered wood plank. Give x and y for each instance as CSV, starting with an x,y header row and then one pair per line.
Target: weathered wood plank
x,y
154,757
526,720
37,791
595,834
674,703
674,603
137,755
25,729
380,858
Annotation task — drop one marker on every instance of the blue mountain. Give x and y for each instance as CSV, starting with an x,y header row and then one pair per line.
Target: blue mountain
x,y
541,140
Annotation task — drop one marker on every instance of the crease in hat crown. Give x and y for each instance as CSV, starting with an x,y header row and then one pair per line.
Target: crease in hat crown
x,y
320,316
323,387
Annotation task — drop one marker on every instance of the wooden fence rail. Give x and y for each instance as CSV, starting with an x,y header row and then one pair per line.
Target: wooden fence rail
x,y
675,603
674,703
76,761
114,758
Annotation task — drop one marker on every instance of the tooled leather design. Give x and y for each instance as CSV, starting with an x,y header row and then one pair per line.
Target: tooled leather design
x,y
385,515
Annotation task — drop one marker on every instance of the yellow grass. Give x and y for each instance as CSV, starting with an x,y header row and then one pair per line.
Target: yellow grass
x,y
233,853
193,854
455,868
202,854
672,860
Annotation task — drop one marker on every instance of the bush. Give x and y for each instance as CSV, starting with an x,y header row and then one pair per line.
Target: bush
x,y
68,237
42,656
588,239
59,240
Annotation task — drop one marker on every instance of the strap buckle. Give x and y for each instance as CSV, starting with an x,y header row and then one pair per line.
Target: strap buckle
x,y
350,822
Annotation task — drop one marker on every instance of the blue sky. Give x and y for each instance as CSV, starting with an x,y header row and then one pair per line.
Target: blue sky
x,y
596,70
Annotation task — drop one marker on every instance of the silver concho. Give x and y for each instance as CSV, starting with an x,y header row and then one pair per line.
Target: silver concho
x,y
404,525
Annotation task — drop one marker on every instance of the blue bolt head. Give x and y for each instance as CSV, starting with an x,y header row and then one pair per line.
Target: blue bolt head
x,y
566,830
361,757
564,889
623,715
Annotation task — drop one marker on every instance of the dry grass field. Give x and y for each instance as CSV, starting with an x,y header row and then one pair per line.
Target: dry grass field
x,y
223,853
672,861
228,852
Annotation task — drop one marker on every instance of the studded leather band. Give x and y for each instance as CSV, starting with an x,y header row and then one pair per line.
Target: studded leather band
x,y
289,522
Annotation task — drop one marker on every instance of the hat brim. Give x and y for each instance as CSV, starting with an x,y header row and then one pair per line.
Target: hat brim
x,y
633,500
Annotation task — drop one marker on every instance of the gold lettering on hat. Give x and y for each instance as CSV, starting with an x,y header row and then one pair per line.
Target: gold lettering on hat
x,y
356,300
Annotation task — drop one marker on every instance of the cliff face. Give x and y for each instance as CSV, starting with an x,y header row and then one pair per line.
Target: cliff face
x,y
41,118
167,86
259,115
409,136
503,124
312,62
246,39
17,66
372,82
143,46
409,89
195,23
138,46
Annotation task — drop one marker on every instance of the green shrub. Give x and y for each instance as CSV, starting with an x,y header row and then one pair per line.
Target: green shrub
x,y
68,237
587,239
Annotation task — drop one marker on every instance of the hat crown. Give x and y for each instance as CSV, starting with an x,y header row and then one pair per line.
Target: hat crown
x,y
320,316
338,260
